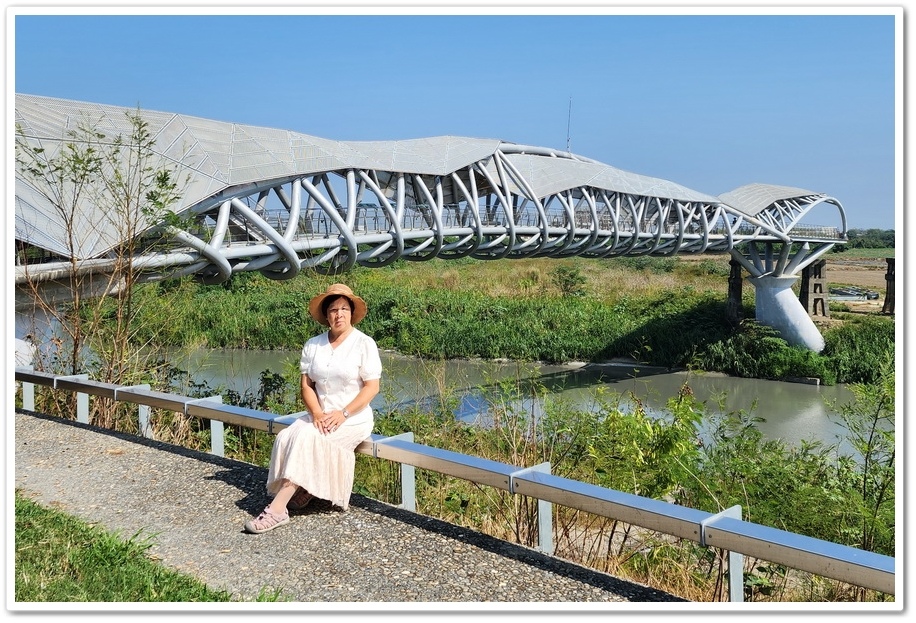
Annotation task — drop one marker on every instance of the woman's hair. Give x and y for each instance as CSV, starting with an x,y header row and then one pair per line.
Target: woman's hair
x,y
330,299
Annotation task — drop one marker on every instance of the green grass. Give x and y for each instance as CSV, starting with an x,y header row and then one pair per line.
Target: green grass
x,y
61,559
861,254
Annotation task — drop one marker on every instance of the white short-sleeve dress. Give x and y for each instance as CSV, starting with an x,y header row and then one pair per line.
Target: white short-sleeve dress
x,y
324,464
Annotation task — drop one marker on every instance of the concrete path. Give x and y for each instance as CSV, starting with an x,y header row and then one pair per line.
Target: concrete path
x,y
193,505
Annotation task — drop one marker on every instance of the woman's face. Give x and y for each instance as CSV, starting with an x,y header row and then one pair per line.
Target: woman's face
x,y
339,314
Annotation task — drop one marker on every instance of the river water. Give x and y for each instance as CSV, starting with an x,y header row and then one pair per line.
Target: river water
x,y
789,411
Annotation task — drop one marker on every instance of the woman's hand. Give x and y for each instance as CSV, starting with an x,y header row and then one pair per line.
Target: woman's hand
x,y
330,421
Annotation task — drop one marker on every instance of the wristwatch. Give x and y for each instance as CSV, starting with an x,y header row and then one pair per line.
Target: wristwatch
x,y
346,413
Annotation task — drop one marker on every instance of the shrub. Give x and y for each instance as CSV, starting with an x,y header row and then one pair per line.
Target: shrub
x,y
757,351
857,349
569,280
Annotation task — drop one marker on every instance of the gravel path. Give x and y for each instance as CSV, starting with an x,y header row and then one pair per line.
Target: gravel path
x,y
193,506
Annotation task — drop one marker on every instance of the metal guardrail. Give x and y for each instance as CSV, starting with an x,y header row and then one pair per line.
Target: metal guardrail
x,y
724,530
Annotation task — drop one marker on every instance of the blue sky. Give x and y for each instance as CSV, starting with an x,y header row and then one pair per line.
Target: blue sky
x,y
710,101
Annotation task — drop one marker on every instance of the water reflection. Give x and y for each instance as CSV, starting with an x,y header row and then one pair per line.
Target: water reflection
x,y
789,411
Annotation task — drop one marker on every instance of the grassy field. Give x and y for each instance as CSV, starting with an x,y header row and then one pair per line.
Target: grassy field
x,y
605,279
861,254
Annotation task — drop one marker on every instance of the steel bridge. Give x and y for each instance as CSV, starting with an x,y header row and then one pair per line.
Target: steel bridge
x,y
278,202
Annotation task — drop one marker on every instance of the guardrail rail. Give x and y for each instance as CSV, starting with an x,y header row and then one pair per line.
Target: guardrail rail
x,y
725,530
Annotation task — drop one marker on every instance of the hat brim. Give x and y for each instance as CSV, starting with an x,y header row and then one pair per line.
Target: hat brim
x,y
359,307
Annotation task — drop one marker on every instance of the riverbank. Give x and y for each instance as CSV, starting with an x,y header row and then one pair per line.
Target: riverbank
x,y
661,312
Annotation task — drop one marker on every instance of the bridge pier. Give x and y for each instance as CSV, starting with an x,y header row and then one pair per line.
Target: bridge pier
x,y
889,295
777,306
813,295
733,311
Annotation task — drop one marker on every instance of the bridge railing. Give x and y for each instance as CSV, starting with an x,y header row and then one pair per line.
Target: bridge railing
x,y
725,530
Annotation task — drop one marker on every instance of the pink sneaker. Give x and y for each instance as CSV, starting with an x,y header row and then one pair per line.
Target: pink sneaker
x,y
266,522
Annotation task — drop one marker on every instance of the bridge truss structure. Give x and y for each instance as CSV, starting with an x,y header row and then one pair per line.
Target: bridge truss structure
x,y
280,202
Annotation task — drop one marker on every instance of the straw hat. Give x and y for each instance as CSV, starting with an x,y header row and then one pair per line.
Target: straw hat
x,y
337,289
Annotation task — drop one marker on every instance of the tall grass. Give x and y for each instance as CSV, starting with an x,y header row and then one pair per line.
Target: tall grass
x,y
757,351
864,253
857,349
576,311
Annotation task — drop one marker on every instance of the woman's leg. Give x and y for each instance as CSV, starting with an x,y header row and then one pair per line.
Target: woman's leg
x,y
275,514
301,498
278,504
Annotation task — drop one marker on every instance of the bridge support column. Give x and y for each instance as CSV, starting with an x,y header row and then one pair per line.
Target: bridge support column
x,y
813,295
888,307
733,312
777,306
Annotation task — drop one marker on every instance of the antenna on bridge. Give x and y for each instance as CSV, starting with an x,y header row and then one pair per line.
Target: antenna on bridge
x,y
568,119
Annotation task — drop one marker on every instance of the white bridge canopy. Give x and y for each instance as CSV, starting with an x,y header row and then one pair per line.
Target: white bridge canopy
x,y
277,201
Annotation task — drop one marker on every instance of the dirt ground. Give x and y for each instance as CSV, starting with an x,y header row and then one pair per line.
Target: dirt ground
x,y
862,273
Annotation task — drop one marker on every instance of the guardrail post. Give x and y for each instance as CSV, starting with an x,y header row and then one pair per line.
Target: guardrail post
x,y
735,559
82,399
545,510
408,477
217,428
28,392
142,412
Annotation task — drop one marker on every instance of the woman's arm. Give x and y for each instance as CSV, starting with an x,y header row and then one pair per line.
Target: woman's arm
x,y
310,397
336,418
364,397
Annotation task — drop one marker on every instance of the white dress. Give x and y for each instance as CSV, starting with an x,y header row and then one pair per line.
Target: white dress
x,y
324,464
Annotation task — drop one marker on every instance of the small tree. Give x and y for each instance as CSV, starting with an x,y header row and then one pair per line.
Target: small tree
x,y
869,418
124,177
